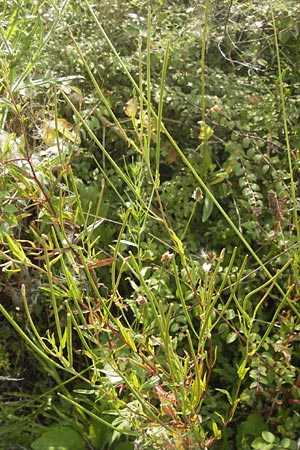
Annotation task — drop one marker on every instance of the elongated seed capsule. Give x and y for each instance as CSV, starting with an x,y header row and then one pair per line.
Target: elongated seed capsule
x,y
274,206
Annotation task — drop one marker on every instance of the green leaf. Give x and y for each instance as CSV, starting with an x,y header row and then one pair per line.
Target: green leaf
x,y
286,443
125,446
10,209
100,435
231,337
59,437
62,342
216,431
16,249
127,335
230,314
226,393
268,437
207,208
259,444
252,427
242,370
205,131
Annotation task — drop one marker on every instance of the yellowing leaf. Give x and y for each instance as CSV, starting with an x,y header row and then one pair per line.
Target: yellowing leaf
x,y
63,127
217,432
242,370
172,156
49,133
205,131
126,334
63,124
68,88
131,107
49,136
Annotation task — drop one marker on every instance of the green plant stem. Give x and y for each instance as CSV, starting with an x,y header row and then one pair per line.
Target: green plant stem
x,y
203,51
43,43
97,418
148,93
41,351
285,126
184,159
160,113
271,324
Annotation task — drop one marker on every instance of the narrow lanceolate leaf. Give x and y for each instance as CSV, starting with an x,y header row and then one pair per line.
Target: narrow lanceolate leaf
x,y
126,334
16,248
207,208
101,263
242,370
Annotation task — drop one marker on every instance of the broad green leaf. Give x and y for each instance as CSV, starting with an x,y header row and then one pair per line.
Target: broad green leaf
x,y
59,437
259,444
286,443
9,209
231,337
125,446
268,437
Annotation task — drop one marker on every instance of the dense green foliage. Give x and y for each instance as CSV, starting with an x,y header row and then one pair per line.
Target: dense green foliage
x,y
149,225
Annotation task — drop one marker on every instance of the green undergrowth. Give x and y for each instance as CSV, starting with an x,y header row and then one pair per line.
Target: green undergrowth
x,y
144,308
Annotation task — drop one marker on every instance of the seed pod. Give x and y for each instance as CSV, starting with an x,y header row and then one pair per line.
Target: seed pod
x,y
274,206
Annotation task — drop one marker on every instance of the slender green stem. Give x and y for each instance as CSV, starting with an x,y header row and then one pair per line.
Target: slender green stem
x,y
160,113
184,159
285,126
203,59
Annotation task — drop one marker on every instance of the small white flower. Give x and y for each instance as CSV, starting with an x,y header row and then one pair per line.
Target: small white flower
x,y
206,267
197,194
